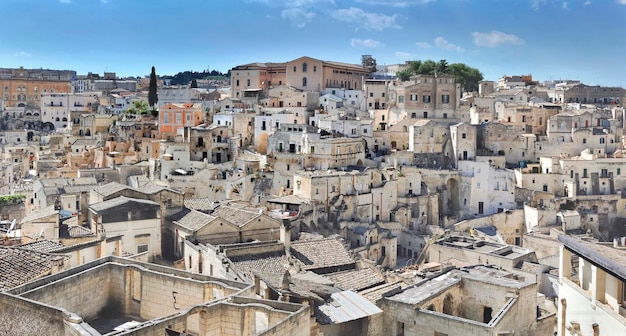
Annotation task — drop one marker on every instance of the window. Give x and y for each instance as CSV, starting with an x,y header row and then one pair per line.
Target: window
x,y
584,140
413,97
304,67
545,188
426,99
523,118
463,135
142,248
382,95
166,118
601,140
619,171
237,83
304,81
445,116
248,82
371,94
314,68
445,99
400,99
294,68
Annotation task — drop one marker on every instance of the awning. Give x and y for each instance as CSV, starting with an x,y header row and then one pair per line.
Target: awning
x,y
181,172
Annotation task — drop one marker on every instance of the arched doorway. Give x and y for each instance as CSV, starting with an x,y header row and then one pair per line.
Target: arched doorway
x,y
448,304
452,187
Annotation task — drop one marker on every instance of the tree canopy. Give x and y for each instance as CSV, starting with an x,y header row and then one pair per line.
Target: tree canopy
x,y
467,76
186,77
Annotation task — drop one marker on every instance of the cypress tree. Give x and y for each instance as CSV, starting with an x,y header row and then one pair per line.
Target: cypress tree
x,y
152,93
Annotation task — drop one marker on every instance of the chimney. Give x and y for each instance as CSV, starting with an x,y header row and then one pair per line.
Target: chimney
x,y
285,280
285,234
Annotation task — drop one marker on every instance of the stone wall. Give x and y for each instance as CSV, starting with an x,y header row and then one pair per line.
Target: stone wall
x,y
84,293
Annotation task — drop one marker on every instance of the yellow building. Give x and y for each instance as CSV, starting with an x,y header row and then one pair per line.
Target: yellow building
x,y
23,87
304,73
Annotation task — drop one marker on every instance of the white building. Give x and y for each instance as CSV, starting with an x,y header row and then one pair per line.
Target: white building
x,y
485,188
592,288
57,108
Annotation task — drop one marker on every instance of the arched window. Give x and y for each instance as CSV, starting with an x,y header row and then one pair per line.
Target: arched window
x,y
304,81
304,67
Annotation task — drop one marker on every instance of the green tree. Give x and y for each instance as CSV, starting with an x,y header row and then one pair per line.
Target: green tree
x,y
467,76
194,84
442,66
153,98
404,75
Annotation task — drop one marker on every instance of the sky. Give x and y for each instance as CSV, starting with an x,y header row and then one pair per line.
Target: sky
x,y
551,39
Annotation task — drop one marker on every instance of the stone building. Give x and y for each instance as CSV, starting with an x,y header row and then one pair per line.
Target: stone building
x,y
304,73
478,300
137,220
433,97
23,87
135,298
592,278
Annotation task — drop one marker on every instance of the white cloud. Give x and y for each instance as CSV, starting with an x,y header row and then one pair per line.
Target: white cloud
x,y
395,3
424,45
442,43
293,3
367,43
366,20
299,12
403,55
65,1
494,38
22,54
621,2
104,1
565,5
587,3
298,16
536,4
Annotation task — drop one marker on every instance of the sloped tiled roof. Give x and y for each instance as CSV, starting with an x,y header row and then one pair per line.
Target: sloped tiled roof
x,y
200,204
321,253
110,188
44,246
19,266
275,263
41,213
236,216
76,231
115,202
152,188
192,219
356,279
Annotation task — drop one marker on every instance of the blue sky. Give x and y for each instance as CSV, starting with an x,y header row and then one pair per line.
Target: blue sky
x,y
551,39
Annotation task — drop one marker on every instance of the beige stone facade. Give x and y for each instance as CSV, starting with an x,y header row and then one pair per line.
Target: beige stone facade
x,y
304,73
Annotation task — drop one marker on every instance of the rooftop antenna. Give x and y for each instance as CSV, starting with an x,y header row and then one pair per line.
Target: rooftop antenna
x,y
12,226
